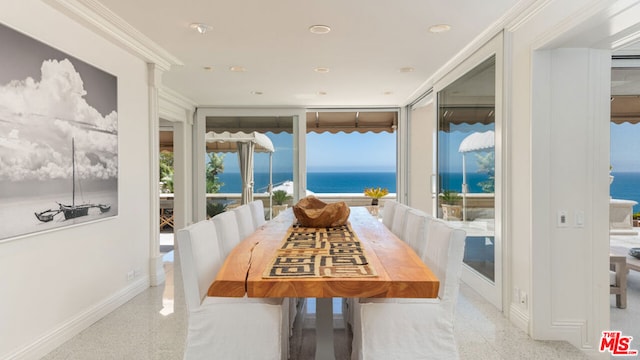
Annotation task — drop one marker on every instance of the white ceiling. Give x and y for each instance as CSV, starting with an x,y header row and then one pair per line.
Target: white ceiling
x,y
369,42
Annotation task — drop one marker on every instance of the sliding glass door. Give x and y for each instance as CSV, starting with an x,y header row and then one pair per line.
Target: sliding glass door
x,y
467,168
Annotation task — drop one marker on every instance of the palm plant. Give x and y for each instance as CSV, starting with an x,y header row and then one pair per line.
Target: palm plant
x,y
450,197
215,208
166,171
215,166
280,196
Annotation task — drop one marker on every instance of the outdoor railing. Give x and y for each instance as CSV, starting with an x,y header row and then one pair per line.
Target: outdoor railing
x,y
352,199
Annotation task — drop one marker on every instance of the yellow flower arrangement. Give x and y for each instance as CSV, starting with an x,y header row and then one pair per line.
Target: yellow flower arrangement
x,y
375,193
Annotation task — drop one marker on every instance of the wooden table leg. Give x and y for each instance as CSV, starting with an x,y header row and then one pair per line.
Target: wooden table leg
x,y
324,329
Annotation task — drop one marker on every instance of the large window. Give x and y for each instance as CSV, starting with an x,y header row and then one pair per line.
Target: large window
x,y
466,162
267,166
349,150
347,163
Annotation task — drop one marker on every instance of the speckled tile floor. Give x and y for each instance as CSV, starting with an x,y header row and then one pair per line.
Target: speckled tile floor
x,y
153,326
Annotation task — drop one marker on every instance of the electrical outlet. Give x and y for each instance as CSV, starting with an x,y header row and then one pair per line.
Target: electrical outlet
x,y
563,220
130,275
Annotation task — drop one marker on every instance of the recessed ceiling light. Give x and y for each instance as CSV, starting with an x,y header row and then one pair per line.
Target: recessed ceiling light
x,y
238,69
321,93
388,93
321,70
440,28
208,68
319,29
406,69
200,27
256,93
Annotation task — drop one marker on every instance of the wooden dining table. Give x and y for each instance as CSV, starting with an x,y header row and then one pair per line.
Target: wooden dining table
x,y
400,273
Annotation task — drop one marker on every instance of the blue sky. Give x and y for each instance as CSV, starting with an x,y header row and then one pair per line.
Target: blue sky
x,y
357,152
354,152
328,152
625,147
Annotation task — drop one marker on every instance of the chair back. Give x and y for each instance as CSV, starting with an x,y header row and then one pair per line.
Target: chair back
x,y
399,220
388,210
227,230
257,211
244,218
200,260
416,230
443,255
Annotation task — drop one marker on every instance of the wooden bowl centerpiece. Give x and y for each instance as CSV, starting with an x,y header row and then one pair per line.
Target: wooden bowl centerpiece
x,y
312,212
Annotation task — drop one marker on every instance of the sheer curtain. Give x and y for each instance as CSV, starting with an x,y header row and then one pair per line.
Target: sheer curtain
x,y
245,157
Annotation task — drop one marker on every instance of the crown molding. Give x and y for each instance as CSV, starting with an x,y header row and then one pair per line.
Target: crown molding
x,y
98,17
515,16
524,13
176,98
175,107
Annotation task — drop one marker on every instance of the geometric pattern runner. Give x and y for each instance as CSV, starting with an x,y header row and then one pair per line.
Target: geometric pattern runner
x,y
320,252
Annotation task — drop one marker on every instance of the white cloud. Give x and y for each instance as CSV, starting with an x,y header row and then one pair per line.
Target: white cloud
x,y
39,119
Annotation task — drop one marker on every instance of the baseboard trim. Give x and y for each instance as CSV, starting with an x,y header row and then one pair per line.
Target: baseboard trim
x,y
519,318
81,321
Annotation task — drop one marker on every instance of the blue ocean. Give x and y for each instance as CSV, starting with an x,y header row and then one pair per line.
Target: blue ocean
x,y
345,182
626,185
318,182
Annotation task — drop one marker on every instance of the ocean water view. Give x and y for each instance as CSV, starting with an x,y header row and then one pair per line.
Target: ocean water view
x,y
344,182
317,182
626,185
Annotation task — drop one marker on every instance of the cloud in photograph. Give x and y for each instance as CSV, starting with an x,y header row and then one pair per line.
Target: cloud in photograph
x,y
38,119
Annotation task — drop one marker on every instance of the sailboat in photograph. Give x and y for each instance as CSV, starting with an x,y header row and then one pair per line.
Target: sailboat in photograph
x,y
71,211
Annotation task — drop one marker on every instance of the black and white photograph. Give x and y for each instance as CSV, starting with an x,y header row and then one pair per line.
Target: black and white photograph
x,y
58,138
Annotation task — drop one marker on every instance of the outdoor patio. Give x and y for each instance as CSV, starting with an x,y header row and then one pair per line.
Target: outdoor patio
x,y
627,320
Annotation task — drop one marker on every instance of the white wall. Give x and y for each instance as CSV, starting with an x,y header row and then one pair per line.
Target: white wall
x,y
570,132
422,129
559,136
54,284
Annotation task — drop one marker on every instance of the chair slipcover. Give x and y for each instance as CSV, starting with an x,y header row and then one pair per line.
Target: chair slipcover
x,y
225,328
227,231
416,230
399,218
244,218
415,328
257,211
388,211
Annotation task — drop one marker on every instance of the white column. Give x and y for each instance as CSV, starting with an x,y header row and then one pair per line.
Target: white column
x,y
300,155
570,173
324,329
182,185
156,271
199,180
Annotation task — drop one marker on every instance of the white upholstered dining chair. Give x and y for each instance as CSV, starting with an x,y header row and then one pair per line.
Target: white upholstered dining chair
x,y
225,328
416,230
386,329
227,230
257,211
244,218
387,212
399,220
